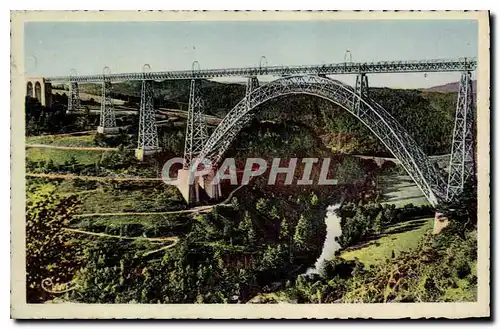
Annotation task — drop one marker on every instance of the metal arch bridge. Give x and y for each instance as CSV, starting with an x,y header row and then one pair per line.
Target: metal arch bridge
x,y
380,122
306,80
415,66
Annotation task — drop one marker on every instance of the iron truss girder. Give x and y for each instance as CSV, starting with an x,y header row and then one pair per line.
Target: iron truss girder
x,y
462,161
107,119
419,167
196,130
148,133
437,65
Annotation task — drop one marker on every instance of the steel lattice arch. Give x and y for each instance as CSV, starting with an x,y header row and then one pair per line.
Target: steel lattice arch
x,y
418,165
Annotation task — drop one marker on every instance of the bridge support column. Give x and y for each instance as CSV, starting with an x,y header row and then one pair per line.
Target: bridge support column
x,y
194,191
73,94
107,121
211,188
147,143
462,162
361,89
196,130
74,102
252,84
40,89
190,192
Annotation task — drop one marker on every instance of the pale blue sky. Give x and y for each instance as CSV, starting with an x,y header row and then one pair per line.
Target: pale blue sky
x,y
126,46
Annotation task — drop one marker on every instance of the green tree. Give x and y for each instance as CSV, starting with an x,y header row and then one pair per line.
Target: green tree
x,y
314,199
274,214
49,254
284,231
462,210
349,170
247,228
273,257
261,205
302,231
378,222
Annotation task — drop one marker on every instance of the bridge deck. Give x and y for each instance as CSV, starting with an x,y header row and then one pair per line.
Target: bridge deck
x,y
438,65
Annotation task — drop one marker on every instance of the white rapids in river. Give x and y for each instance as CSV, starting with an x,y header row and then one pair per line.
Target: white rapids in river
x,y
333,230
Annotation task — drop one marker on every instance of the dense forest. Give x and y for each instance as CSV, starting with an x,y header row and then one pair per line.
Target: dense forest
x,y
259,245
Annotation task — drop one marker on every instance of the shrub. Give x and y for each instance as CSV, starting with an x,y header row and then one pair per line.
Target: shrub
x,y
49,254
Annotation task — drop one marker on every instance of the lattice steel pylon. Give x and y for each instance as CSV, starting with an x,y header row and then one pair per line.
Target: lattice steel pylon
x,y
74,94
147,142
196,130
361,89
462,162
107,121
252,84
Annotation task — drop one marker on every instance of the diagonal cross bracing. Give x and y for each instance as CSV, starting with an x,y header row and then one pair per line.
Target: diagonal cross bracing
x,y
107,119
196,130
148,134
462,161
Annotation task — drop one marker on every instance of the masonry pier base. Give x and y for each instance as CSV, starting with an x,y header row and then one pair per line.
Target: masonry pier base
x,y
201,187
440,222
108,130
141,153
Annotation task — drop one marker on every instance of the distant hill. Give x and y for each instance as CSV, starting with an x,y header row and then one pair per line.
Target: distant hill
x,y
448,88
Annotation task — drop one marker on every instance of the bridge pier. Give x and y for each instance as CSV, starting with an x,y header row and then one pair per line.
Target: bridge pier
x,y
362,90
73,97
462,161
196,130
73,93
107,120
40,89
190,192
147,143
440,222
194,189
211,188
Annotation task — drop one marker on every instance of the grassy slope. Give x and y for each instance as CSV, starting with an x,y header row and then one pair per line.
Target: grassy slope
x,y
376,251
60,156
83,140
142,200
399,190
84,157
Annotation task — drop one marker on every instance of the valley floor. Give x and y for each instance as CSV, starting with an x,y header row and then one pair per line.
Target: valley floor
x,y
399,190
394,240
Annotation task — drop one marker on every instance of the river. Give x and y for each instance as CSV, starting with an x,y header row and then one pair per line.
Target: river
x,y
330,246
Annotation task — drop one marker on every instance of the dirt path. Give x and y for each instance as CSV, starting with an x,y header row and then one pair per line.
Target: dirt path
x,y
81,192
95,178
80,148
104,235
175,240
185,211
199,209
62,135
